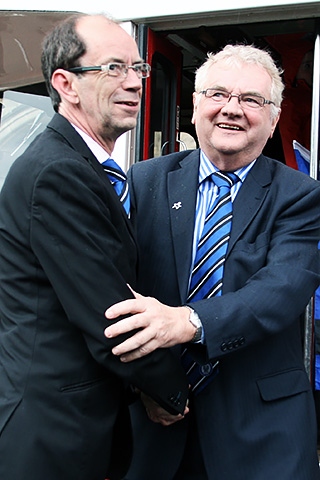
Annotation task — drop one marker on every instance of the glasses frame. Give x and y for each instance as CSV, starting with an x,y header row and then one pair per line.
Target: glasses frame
x,y
239,96
142,70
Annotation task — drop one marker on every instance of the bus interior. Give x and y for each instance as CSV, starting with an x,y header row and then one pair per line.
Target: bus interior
x,y
287,33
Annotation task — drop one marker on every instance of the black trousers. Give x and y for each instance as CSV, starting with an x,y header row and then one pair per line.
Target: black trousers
x,y
192,465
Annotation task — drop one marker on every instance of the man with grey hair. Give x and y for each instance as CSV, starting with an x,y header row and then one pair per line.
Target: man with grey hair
x,y
67,249
231,248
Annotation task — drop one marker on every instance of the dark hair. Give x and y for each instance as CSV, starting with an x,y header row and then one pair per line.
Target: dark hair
x,y
61,48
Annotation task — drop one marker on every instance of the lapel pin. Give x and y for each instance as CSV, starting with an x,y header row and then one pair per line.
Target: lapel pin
x,y
177,205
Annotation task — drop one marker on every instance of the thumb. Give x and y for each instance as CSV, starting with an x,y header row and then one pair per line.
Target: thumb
x,y
135,294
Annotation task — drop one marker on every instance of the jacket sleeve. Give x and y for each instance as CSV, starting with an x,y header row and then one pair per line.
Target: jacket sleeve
x,y
271,271
83,244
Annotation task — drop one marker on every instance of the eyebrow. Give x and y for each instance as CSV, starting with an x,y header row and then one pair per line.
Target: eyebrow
x,y
118,60
248,92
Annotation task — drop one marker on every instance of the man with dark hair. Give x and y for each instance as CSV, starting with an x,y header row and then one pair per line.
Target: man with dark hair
x,y
66,251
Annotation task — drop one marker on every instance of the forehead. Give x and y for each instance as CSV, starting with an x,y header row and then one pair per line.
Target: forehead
x,y
241,78
106,41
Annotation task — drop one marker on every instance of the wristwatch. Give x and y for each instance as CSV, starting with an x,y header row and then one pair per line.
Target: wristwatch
x,y
195,320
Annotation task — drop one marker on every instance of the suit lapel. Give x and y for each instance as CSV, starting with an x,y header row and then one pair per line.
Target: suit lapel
x,y
249,199
182,194
102,174
66,130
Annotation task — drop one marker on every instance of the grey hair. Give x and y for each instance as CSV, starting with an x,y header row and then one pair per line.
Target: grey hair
x,y
237,55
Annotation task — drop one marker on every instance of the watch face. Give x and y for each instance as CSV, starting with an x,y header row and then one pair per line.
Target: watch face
x,y
195,320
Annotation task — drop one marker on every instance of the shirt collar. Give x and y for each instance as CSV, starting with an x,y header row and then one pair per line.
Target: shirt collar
x,y
206,168
100,153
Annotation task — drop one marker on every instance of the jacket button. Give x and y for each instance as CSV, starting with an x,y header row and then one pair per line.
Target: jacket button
x,y
175,399
223,346
206,369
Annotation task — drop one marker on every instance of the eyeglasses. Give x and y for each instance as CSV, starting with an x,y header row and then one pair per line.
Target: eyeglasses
x,y
246,100
116,69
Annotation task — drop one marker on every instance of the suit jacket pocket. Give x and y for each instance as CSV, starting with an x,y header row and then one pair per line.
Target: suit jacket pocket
x,y
252,245
85,385
283,384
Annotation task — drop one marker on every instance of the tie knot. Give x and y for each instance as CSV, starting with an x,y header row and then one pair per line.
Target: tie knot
x,y
114,171
223,179
119,181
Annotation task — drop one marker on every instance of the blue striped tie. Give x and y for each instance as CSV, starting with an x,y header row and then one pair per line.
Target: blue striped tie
x,y
207,273
119,181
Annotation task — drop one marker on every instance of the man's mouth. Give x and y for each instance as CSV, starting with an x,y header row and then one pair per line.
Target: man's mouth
x,y
128,103
226,126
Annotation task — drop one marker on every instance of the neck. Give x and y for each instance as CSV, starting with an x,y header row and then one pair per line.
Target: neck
x,y
230,163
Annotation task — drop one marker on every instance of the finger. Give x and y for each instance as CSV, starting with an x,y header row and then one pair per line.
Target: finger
x,y
134,354
143,333
142,343
120,327
131,354
128,324
135,294
122,308
166,420
129,347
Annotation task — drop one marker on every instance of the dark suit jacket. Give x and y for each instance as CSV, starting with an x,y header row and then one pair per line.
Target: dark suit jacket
x,y
256,420
67,253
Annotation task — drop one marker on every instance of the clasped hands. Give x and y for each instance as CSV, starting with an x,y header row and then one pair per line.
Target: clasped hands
x,y
160,326
158,414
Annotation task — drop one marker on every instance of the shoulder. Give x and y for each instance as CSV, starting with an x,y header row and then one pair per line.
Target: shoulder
x,y
282,176
53,153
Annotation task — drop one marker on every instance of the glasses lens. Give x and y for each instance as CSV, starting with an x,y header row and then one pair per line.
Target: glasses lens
x,y
217,95
251,101
116,69
121,69
142,70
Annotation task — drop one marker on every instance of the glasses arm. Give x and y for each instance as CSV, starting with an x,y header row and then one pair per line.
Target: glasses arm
x,y
268,102
84,69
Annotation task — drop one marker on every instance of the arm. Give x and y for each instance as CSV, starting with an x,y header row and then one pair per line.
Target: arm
x,y
85,249
280,268
159,325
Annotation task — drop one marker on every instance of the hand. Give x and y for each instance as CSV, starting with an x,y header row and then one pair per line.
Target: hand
x,y
158,415
160,326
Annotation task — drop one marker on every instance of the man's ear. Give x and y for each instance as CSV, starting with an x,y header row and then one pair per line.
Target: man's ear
x,y
195,102
274,123
63,82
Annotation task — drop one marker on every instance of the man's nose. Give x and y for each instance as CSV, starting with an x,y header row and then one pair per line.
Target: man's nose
x,y
132,80
233,104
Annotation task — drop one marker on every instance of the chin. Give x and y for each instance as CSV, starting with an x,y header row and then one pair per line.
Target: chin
x,y
129,123
125,127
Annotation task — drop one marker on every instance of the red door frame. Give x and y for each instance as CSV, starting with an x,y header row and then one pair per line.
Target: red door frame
x,y
160,45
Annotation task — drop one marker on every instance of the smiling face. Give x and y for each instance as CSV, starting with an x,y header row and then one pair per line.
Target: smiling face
x,y
232,136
